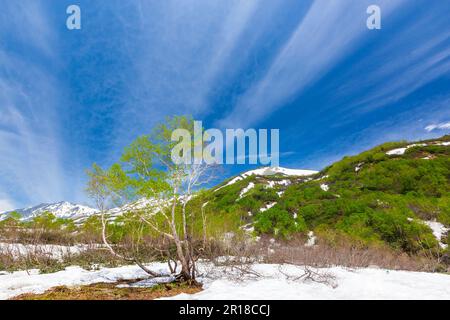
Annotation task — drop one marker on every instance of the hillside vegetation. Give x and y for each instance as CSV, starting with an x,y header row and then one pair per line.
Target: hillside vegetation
x,y
374,198
395,196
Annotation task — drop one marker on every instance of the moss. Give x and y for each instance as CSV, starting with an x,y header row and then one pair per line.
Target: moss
x,y
111,291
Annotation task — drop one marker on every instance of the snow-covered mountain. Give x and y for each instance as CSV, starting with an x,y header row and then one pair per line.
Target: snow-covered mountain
x,y
61,209
270,171
79,212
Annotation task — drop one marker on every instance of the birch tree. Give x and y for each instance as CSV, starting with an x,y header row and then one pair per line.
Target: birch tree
x,y
146,171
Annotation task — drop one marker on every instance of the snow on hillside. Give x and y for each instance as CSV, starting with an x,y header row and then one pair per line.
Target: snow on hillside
x,y
270,171
274,283
62,209
438,231
49,250
401,151
137,205
77,212
397,152
250,186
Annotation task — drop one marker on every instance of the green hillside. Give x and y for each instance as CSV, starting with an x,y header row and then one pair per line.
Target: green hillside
x,y
373,198
390,196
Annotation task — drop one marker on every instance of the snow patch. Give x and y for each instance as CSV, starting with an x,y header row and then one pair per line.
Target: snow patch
x,y
250,186
401,151
438,231
249,228
311,239
352,284
398,151
356,284
16,283
269,171
271,184
232,181
62,209
267,207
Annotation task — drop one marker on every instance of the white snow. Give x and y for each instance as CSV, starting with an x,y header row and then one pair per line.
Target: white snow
x,y
438,231
267,207
324,187
249,228
232,181
250,186
354,284
16,283
311,239
284,182
147,283
269,171
52,251
79,213
274,283
400,151
271,183
152,203
62,209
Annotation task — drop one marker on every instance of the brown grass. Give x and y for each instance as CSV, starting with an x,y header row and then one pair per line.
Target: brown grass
x,y
348,255
110,291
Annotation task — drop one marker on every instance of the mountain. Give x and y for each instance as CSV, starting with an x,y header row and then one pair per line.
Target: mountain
x,y
61,209
396,194
79,212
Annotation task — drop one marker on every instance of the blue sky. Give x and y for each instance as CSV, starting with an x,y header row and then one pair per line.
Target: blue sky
x,y
310,68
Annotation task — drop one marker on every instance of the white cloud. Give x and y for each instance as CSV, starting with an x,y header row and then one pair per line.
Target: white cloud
x,y
30,123
6,205
401,74
439,126
408,125
177,55
329,31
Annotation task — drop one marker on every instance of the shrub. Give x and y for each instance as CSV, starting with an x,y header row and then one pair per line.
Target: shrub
x,y
279,222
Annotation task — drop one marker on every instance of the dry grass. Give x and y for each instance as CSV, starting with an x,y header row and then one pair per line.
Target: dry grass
x,y
239,254
347,255
110,291
46,262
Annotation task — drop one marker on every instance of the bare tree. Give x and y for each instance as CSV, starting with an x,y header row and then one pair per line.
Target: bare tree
x,y
148,172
